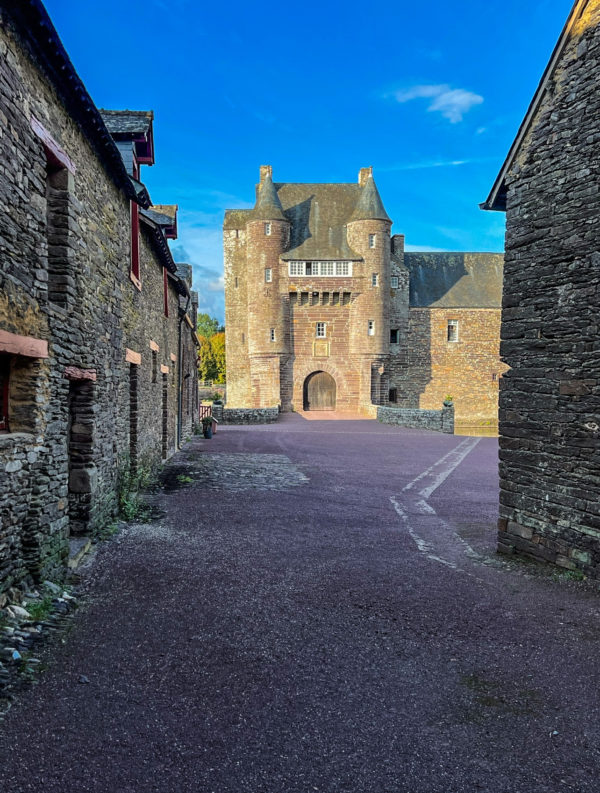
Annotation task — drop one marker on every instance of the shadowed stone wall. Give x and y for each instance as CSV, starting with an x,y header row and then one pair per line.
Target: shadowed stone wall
x,y
550,399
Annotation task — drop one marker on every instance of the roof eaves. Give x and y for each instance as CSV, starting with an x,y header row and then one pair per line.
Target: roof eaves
x,y
160,242
496,201
36,29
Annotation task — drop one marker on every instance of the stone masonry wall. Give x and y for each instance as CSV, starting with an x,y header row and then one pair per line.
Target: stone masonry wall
x,y
437,420
246,415
64,279
469,370
550,399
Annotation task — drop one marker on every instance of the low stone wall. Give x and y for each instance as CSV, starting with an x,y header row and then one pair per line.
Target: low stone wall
x,y
245,415
436,420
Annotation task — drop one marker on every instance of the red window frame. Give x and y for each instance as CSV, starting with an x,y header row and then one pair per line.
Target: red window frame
x,y
4,390
135,243
166,291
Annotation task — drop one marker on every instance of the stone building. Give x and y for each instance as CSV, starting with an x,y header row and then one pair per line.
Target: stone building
x,y
95,336
549,188
324,308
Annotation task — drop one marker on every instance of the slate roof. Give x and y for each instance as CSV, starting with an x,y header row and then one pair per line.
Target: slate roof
x,y
318,214
158,217
268,206
455,280
127,122
370,205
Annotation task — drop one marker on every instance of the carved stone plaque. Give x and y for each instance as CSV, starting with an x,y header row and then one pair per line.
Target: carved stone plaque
x,y
321,348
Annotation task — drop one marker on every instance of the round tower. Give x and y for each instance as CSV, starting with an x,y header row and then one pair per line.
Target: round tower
x,y
267,235
368,233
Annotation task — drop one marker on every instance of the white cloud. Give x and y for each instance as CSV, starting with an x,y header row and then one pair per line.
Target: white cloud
x,y
418,166
452,103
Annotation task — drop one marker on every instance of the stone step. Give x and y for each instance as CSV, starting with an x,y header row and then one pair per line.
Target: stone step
x,y
78,547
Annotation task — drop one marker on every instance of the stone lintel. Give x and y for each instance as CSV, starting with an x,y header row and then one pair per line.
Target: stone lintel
x,y
154,346
57,153
173,357
23,345
74,373
164,369
133,357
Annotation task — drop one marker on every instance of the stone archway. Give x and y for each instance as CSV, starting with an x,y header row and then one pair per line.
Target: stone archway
x,y
319,392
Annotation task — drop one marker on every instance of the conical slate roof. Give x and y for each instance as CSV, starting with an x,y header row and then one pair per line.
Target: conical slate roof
x,y
268,206
369,205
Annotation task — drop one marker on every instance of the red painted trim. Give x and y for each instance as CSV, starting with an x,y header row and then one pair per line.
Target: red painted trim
x,y
5,366
166,291
135,241
23,345
55,154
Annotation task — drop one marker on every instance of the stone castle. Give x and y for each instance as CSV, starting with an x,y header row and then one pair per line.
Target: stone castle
x,y
325,310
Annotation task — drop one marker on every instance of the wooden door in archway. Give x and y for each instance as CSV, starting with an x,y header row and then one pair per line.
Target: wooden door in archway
x,y
319,392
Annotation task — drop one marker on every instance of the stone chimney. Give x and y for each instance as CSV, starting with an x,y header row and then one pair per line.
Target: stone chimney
x,y
364,174
265,170
398,244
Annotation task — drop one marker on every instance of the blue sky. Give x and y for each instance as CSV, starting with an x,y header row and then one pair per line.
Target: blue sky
x,y
430,94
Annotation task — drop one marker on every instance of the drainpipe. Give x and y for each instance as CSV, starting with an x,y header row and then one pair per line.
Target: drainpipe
x,y
180,371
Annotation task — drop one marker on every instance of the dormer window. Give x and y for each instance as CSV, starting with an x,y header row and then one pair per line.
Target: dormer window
x,y
267,229
371,240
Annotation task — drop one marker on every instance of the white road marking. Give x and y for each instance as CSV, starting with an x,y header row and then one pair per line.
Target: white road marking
x,y
438,473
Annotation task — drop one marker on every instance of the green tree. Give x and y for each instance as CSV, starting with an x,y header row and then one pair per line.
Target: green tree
x,y
217,345
207,369
208,326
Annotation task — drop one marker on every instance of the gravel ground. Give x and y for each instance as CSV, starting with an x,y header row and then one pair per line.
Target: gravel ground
x,y
319,608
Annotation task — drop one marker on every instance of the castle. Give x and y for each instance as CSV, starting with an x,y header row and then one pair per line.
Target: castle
x,y
325,310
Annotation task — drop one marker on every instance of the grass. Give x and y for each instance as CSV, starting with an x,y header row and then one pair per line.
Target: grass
x,y
184,479
40,609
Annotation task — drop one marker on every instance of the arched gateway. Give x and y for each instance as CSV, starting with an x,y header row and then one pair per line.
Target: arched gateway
x,y
319,392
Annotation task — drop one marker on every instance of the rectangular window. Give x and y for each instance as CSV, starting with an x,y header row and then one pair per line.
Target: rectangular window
x,y
371,240
394,335
268,275
166,291
335,299
371,327
452,330
237,283
135,241
394,282
393,394
494,377
325,298
321,330
4,382
322,269
346,298
267,229
154,366
375,279
272,334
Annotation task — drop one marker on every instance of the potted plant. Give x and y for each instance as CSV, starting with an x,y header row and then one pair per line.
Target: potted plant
x,y
448,401
207,424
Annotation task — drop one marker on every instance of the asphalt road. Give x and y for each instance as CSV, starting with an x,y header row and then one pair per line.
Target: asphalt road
x,y
319,608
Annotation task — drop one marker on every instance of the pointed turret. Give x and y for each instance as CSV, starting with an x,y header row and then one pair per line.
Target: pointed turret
x,y
369,205
268,206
